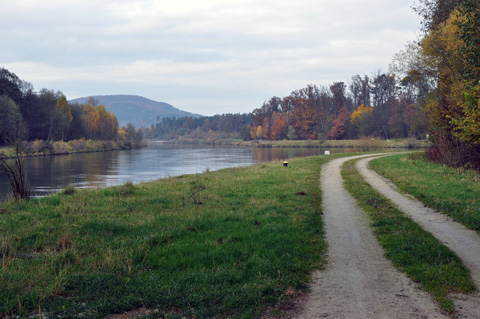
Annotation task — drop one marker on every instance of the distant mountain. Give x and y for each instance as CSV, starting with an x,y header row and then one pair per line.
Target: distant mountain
x,y
135,109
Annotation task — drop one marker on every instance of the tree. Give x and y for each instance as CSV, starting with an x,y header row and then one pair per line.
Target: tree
x,y
362,119
76,129
132,134
415,120
90,118
435,12
62,116
384,93
48,101
442,47
280,129
36,116
338,97
467,124
58,125
339,128
292,134
447,56
11,86
11,122
107,127
469,33
360,90
259,132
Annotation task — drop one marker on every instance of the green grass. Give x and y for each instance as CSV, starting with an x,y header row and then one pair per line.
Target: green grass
x,y
410,248
231,243
453,191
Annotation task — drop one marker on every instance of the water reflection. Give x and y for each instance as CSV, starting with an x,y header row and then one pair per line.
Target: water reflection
x,y
91,170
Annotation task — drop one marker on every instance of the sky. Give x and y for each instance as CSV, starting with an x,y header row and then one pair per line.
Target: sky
x,y
203,56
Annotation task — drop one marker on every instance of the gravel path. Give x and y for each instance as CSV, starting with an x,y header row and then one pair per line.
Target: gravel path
x,y
464,242
358,281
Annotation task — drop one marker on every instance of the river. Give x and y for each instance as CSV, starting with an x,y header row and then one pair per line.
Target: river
x,y
51,174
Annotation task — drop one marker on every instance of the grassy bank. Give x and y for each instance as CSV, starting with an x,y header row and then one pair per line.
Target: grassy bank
x,y
232,243
47,148
453,191
410,248
366,144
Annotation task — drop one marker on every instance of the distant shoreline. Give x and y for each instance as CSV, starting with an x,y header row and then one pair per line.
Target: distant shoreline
x,y
44,148
361,143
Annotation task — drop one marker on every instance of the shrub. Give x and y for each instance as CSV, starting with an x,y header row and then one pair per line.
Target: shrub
x,y
16,175
454,153
77,145
60,147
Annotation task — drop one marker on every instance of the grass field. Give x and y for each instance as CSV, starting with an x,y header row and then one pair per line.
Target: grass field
x,y
453,191
410,248
232,243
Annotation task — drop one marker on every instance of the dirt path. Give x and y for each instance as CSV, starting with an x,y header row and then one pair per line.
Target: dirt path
x,y
358,281
464,242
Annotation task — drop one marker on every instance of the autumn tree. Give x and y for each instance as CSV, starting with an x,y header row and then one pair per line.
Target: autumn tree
x,y
306,112
340,124
279,129
447,56
61,119
90,118
259,132
467,124
362,119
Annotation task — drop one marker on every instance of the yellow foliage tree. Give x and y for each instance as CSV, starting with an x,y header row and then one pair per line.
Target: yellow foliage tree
x,y
362,119
62,105
467,126
259,132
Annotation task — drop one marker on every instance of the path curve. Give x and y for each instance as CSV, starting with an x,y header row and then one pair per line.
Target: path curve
x,y
465,243
358,282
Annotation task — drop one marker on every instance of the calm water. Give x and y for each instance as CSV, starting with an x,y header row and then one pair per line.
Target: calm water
x,y
90,170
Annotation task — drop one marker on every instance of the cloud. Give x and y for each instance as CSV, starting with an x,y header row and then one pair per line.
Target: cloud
x,y
208,57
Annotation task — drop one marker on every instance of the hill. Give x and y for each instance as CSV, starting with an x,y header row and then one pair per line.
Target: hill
x,y
137,110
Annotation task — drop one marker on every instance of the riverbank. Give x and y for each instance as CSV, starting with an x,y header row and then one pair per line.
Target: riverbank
x,y
237,243
231,243
47,148
356,145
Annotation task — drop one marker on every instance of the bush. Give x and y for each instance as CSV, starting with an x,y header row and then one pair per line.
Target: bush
x,y
60,147
454,153
77,145
16,175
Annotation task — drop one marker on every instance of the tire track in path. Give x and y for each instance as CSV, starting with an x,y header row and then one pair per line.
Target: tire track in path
x,y
464,242
358,282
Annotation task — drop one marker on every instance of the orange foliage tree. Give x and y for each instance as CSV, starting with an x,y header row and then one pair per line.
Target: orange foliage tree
x,y
340,124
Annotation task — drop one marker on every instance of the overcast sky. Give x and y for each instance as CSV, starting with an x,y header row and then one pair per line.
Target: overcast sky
x,y
202,56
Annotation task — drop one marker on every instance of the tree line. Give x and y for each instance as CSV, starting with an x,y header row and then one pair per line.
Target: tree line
x,y
379,105
47,115
208,127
